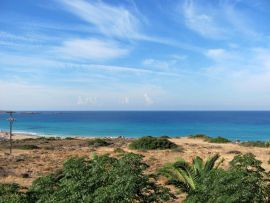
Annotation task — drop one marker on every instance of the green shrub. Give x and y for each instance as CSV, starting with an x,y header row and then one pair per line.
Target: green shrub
x,y
27,147
200,136
9,193
210,139
255,144
98,142
218,140
245,181
185,175
102,179
149,143
119,150
70,138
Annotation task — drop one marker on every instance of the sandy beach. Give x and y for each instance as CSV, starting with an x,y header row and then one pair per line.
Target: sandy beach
x,y
16,136
24,166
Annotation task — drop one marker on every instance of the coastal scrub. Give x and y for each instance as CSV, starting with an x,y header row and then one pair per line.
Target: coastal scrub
x,y
151,143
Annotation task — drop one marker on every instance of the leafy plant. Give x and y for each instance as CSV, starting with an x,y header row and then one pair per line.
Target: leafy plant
x,y
185,175
149,143
211,139
98,142
218,140
245,181
102,179
9,193
200,136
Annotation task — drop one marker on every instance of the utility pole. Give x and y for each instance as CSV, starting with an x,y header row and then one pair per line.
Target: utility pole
x,y
11,120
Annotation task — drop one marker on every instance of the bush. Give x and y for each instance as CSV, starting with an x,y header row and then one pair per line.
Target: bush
x,y
245,181
9,193
27,147
218,140
149,143
70,138
102,179
98,142
200,136
119,150
185,175
255,144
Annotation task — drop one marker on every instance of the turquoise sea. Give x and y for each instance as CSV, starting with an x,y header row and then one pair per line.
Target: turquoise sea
x,y
235,125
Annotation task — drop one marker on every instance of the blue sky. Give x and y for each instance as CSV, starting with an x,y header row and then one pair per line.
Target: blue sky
x,y
134,55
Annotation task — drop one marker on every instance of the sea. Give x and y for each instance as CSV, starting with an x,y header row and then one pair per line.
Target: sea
x,y
234,125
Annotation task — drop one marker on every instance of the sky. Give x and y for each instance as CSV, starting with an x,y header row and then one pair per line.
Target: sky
x,y
134,55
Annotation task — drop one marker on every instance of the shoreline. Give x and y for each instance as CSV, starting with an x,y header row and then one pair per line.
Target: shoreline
x,y
21,136
4,135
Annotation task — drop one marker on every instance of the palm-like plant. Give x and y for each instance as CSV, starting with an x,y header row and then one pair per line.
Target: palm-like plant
x,y
185,175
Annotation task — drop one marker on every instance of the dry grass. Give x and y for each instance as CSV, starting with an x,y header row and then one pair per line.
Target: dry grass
x,y
51,155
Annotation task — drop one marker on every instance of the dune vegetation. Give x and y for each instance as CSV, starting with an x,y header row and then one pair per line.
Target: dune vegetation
x,y
108,170
151,143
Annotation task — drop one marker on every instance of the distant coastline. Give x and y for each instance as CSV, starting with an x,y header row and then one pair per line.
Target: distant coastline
x,y
234,125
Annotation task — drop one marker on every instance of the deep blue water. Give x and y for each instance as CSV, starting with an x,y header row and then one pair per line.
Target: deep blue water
x,y
242,125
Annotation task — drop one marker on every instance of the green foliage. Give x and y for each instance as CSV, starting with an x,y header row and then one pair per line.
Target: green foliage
x,y
218,140
9,193
245,181
151,143
200,136
255,144
185,175
119,150
70,138
27,147
98,142
210,139
102,179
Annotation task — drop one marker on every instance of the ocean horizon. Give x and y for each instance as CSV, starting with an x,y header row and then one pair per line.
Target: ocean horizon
x,y
234,125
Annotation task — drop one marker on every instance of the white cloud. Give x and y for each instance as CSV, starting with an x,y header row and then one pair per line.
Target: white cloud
x,y
219,19
159,64
93,49
108,19
201,20
218,54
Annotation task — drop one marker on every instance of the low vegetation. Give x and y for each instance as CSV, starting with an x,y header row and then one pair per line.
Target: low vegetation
x,y
199,136
244,181
10,193
99,142
255,144
218,140
26,147
151,143
185,175
101,179
210,139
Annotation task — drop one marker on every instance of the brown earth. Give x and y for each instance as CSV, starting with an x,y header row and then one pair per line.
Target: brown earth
x,y
24,166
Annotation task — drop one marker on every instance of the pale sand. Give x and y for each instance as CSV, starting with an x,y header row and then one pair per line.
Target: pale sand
x,y
16,136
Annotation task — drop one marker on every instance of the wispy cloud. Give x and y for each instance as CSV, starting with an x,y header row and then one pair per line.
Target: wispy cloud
x,y
201,20
218,19
218,54
91,49
109,20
